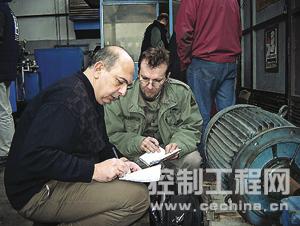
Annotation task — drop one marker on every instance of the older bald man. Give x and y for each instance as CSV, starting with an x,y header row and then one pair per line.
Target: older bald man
x,y
54,172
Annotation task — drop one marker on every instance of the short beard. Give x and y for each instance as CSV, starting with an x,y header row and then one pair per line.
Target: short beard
x,y
150,99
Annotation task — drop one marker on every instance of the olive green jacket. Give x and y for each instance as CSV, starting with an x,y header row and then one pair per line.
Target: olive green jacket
x,y
179,120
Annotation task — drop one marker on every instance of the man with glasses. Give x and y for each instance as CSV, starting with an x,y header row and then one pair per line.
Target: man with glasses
x,y
157,111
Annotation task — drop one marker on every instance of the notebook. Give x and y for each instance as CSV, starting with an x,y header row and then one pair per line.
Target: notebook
x,y
154,158
144,175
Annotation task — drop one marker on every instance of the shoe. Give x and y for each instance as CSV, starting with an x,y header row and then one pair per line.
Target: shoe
x,y
3,160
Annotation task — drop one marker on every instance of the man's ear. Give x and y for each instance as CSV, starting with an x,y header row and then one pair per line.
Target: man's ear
x,y
98,66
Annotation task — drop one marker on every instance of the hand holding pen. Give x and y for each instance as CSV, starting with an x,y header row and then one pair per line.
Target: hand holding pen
x,y
132,166
150,144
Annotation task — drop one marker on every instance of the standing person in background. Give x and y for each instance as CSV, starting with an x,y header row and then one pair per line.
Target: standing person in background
x,y
156,34
174,67
208,38
9,38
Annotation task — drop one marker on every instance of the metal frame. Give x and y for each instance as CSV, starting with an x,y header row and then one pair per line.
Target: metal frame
x,y
170,17
289,96
136,2
251,30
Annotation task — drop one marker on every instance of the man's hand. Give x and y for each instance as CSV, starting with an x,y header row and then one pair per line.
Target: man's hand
x,y
110,169
150,144
133,166
170,148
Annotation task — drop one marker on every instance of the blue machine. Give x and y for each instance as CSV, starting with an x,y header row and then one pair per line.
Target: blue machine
x,y
248,137
13,96
57,63
31,84
291,216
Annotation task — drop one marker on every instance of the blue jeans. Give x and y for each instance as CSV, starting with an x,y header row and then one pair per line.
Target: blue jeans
x,y
211,82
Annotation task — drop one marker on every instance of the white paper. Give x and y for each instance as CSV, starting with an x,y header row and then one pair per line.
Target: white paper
x,y
152,158
144,175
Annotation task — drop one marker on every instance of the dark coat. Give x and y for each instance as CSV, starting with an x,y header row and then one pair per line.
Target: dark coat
x,y
9,37
174,66
60,136
147,36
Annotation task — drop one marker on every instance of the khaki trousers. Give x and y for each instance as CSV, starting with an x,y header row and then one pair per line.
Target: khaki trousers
x,y
190,161
113,203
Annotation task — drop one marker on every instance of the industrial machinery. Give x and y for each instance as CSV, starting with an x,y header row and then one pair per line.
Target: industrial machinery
x,y
30,78
27,81
247,137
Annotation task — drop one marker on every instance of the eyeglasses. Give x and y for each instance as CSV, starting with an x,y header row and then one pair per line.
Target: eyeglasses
x,y
156,83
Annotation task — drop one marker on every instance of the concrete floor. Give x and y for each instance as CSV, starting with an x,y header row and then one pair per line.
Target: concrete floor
x,y
8,216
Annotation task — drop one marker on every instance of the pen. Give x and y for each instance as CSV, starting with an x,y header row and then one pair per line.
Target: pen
x,y
115,152
116,155
156,145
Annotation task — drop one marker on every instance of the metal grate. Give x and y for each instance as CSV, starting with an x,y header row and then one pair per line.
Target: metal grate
x,y
230,132
80,10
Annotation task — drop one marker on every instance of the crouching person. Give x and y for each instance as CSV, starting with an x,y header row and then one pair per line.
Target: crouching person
x,y
157,111
54,172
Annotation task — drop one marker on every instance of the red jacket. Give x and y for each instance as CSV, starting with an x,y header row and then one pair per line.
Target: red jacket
x,y
209,30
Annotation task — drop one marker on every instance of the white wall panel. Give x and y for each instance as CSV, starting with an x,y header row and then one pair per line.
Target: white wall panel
x,y
33,23
44,28
37,7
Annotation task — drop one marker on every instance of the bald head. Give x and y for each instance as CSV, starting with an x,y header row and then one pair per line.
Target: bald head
x,y
109,56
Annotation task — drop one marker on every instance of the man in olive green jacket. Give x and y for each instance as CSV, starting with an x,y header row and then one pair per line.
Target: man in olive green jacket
x,y
157,111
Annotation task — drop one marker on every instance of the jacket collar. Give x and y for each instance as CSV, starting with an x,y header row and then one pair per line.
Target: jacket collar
x,y
157,23
88,86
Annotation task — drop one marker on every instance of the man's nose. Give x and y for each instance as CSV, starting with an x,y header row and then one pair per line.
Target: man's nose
x,y
150,84
123,90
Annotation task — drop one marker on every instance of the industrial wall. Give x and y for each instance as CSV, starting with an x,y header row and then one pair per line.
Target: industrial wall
x,y
270,49
46,24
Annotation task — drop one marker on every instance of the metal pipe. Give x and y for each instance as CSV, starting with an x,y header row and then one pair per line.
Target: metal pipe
x,y
67,19
56,26
101,17
58,19
171,17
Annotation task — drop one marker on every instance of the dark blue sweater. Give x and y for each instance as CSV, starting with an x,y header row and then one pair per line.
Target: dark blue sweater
x,y
60,136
